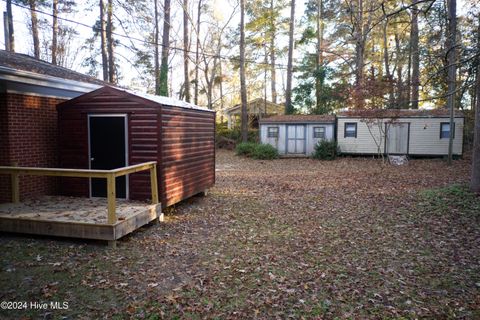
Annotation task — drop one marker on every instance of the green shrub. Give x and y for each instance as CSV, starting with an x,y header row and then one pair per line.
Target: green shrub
x,y
325,150
236,134
245,149
264,151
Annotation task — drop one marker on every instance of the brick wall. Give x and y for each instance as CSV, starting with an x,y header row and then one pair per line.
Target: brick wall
x,y
29,138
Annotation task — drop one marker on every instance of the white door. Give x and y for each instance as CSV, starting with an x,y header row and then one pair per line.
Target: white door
x,y
397,138
295,139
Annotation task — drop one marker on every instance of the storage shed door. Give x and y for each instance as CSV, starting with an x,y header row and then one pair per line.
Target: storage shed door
x,y
107,149
397,138
295,139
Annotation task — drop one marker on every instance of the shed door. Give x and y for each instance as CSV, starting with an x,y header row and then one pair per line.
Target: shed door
x,y
397,138
295,139
107,137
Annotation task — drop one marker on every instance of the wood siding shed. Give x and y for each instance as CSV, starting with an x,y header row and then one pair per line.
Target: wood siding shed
x,y
176,134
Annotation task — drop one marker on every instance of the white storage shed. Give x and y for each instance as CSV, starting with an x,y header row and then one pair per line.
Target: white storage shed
x,y
296,135
401,132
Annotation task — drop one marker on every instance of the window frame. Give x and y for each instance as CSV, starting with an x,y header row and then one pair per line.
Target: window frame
x,y
273,134
345,129
324,132
449,131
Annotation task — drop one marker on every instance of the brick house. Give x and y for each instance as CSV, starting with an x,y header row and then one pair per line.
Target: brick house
x,y
30,89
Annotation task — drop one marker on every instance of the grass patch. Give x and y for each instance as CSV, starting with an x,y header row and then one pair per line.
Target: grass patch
x,y
455,197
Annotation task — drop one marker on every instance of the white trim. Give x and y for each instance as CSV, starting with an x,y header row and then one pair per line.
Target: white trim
x,y
113,115
10,74
33,94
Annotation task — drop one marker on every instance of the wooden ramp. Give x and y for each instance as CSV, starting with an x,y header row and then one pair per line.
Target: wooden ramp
x,y
76,217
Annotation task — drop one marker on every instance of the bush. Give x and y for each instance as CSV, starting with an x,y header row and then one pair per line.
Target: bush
x,y
325,150
236,134
245,149
256,150
265,152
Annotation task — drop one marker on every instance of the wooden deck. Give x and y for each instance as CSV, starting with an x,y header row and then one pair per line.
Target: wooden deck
x,y
76,217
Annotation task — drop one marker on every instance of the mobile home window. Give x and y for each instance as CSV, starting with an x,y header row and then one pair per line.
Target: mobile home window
x,y
350,130
319,132
445,130
272,132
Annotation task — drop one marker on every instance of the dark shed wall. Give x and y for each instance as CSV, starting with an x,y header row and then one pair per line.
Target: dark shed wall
x,y
181,140
188,153
142,139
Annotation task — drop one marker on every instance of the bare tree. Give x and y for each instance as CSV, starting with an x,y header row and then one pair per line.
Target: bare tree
x,y
273,73
288,91
475,179
243,88
186,48
103,41
110,45
319,61
54,30
10,36
452,68
197,53
34,26
163,91
156,54
415,56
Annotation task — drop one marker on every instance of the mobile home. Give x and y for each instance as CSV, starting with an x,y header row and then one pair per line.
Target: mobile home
x,y
401,132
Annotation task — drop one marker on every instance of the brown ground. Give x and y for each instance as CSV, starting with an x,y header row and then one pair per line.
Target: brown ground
x,y
298,238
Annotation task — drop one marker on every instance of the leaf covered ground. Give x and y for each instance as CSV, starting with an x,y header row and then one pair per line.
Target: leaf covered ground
x,y
289,238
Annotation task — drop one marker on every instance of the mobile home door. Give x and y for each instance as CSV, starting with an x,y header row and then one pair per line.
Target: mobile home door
x,y
295,139
397,138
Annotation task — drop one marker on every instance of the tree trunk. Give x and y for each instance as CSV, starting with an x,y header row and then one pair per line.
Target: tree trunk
x,y
288,91
103,43
197,58
359,56
400,99
54,30
386,59
186,49
415,56
319,60
475,179
165,49
111,59
11,38
273,75
452,69
243,88
34,20
157,57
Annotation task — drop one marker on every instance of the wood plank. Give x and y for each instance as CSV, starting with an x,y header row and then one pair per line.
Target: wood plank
x,y
153,184
111,195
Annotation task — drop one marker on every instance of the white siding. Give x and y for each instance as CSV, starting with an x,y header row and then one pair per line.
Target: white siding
x,y
280,142
366,141
424,136
311,141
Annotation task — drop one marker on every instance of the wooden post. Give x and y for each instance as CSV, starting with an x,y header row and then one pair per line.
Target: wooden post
x,y
111,196
15,186
153,184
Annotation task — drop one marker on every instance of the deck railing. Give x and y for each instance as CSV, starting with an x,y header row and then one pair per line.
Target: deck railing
x,y
110,175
